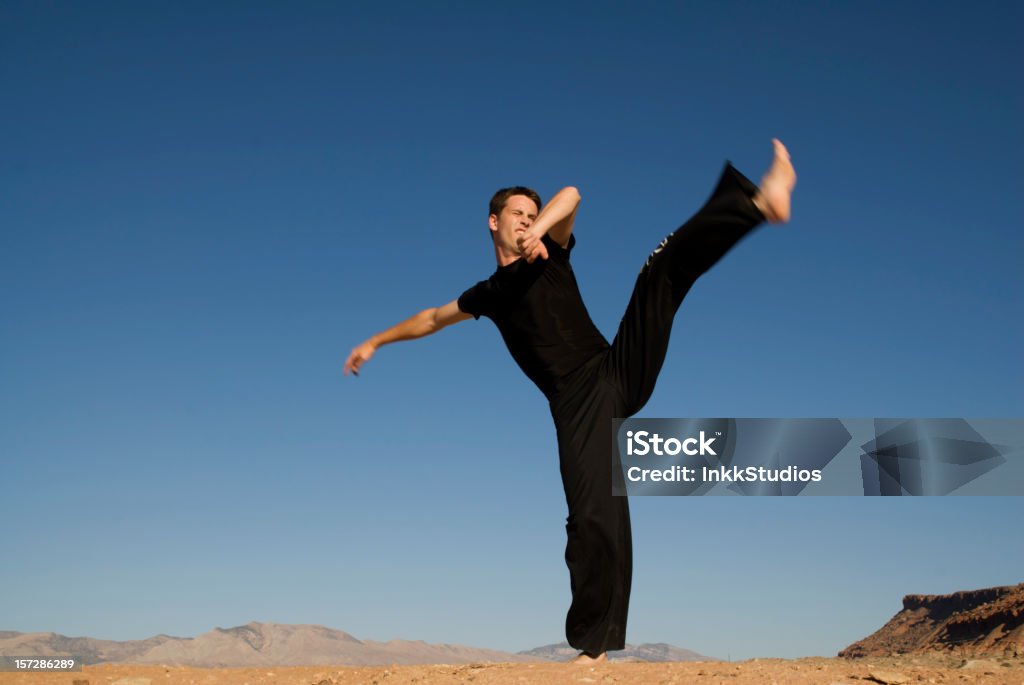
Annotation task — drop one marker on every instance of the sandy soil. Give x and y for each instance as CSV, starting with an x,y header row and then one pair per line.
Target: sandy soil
x,y
816,671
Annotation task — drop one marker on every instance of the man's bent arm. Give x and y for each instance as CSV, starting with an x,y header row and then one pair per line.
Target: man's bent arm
x,y
556,219
425,323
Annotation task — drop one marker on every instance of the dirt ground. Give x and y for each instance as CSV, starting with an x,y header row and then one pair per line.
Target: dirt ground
x,y
816,671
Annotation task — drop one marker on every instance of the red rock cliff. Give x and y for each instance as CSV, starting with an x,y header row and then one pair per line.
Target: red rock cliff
x,y
974,622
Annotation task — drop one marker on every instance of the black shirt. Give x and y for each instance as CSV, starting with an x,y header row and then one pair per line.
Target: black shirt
x,y
540,314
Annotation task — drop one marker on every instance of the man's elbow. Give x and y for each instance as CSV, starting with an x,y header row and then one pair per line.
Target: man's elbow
x,y
571,192
433,320
437,320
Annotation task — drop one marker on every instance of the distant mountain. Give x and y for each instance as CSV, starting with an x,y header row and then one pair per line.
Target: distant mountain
x,y
658,651
973,622
277,644
89,650
254,644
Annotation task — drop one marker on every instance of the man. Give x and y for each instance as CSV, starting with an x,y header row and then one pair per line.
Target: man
x,y
533,299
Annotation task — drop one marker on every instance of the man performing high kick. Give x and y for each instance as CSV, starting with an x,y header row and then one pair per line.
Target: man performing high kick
x,y
533,299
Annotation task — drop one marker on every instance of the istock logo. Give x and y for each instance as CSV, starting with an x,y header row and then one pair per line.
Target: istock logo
x,y
652,443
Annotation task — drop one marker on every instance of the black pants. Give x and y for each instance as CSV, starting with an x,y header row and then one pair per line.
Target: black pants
x,y
618,383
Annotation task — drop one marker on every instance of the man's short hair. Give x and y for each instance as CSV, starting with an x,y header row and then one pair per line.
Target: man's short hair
x,y
501,197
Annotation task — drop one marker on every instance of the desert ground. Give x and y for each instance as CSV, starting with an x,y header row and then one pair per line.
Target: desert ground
x,y
809,671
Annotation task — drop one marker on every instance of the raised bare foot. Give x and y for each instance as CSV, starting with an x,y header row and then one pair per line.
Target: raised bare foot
x,y
776,186
584,658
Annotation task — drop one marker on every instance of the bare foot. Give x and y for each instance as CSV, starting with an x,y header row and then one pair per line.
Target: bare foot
x,y
776,186
585,659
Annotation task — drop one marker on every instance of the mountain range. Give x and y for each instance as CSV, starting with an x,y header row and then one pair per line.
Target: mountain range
x,y
276,644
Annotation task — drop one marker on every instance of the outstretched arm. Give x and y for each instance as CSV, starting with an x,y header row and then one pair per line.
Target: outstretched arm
x,y
426,322
555,220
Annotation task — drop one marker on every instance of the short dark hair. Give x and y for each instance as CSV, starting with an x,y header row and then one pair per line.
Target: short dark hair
x,y
501,197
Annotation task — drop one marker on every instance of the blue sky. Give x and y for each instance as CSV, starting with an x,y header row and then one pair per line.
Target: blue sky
x,y
205,206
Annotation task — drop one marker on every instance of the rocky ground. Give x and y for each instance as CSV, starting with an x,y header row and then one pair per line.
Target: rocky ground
x,y
811,671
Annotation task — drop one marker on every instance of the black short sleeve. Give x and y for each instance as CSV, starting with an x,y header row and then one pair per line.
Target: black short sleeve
x,y
476,300
556,249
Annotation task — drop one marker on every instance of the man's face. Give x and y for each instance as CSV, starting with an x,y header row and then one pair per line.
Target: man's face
x,y
517,216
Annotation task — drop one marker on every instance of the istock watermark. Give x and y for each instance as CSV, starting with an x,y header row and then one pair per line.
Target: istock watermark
x,y
784,457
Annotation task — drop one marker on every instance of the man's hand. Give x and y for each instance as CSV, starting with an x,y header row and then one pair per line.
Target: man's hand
x,y
531,246
359,356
